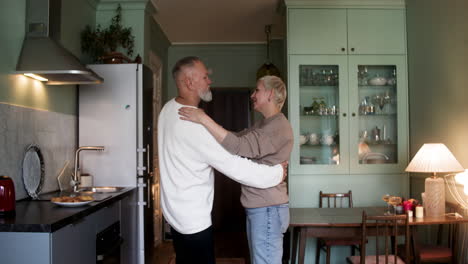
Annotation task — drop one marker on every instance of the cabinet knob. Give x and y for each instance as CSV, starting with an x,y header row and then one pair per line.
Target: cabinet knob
x,y
344,114
352,49
353,114
343,49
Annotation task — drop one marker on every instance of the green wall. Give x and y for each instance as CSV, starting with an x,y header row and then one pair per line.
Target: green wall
x,y
138,14
132,16
75,16
233,65
438,79
19,90
157,42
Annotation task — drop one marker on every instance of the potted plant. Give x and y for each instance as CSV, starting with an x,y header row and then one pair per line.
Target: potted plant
x,y
101,44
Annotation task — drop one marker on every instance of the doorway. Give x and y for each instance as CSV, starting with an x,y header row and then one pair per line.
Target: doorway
x,y
231,109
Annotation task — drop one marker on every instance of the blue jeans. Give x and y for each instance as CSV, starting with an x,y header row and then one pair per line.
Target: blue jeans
x,y
265,228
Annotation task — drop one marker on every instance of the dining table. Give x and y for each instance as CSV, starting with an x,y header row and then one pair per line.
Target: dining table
x,y
342,222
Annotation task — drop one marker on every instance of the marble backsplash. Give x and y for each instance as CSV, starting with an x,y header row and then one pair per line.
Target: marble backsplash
x,y
54,133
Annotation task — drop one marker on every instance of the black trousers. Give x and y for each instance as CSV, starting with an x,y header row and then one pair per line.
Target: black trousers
x,y
195,248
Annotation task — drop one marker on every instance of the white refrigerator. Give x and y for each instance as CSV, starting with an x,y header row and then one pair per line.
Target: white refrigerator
x,y
118,115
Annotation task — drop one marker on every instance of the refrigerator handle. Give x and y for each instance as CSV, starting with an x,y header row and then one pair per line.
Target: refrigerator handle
x,y
148,205
148,158
148,179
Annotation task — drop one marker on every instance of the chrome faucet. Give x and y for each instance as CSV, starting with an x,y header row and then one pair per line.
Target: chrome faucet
x,y
77,174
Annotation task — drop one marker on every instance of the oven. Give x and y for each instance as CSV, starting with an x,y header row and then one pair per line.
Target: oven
x,y
108,243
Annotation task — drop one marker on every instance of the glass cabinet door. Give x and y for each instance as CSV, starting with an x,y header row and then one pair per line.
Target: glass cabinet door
x,y
349,114
378,106
317,97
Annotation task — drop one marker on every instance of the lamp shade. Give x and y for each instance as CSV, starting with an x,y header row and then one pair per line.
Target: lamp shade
x,y
434,158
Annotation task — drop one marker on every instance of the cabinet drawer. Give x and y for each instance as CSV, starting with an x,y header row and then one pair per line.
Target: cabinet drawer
x,y
106,216
76,237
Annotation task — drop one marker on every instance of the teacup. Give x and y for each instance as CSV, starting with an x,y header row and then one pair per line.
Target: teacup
x,y
314,139
327,140
303,139
391,81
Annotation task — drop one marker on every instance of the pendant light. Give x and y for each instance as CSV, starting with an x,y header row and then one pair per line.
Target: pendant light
x,y
268,68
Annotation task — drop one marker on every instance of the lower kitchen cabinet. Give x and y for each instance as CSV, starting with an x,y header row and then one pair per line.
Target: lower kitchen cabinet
x,y
106,216
25,247
76,243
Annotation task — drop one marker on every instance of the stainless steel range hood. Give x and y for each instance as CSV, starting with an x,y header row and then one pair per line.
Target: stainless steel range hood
x,y
42,57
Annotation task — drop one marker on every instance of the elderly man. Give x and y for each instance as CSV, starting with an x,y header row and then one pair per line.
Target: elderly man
x,y
188,153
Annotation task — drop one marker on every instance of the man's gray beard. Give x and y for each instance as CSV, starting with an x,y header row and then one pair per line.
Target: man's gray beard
x,y
206,97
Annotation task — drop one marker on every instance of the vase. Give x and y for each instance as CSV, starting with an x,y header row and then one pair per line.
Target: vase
x,y
114,57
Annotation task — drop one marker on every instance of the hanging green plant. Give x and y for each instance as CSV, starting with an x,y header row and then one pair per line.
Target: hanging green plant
x,y
101,43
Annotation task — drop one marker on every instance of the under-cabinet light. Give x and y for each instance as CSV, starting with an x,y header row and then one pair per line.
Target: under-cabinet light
x,y
37,77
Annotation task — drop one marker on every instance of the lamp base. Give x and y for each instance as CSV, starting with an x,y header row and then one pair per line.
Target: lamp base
x,y
434,202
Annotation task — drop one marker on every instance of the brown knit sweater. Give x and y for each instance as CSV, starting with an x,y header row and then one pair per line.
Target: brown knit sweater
x,y
268,141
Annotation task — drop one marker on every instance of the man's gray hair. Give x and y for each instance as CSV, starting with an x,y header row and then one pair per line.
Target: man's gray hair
x,y
183,63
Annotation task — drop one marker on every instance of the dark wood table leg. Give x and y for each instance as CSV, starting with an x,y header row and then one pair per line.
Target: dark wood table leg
x,y
302,245
296,231
286,246
454,244
414,250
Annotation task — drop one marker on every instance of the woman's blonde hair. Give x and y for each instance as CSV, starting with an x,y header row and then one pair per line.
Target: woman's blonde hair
x,y
277,85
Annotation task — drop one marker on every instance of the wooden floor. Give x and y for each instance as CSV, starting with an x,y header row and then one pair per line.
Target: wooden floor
x,y
162,254
227,250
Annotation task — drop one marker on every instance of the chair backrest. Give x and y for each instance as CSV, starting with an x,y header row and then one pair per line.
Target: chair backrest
x,y
335,200
386,227
375,158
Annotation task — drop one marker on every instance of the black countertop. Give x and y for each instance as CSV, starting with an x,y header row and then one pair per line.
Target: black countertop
x,y
44,216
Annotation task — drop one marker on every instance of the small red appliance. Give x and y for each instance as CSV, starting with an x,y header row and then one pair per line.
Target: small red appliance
x,y
7,196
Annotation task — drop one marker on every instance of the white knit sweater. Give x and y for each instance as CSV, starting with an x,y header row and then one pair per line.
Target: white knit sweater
x,y
187,155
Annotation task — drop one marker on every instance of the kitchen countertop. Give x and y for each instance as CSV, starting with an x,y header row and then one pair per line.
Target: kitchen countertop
x,y
45,217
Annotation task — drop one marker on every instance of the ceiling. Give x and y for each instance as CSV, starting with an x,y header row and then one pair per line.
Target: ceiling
x,y
219,21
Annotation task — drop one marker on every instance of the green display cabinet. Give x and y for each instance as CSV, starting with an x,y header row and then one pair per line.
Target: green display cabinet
x,y
363,29
349,114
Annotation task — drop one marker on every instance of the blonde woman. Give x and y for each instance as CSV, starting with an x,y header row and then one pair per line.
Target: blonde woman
x,y
269,141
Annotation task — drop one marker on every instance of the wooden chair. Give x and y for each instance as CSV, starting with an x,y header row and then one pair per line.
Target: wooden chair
x,y
335,200
388,228
438,253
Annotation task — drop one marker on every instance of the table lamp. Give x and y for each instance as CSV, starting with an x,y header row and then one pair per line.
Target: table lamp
x,y
434,158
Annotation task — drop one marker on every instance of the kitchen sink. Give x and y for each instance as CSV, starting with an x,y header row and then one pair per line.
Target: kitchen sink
x,y
100,189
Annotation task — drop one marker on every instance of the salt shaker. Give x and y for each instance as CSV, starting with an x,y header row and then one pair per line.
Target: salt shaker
x,y
399,209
